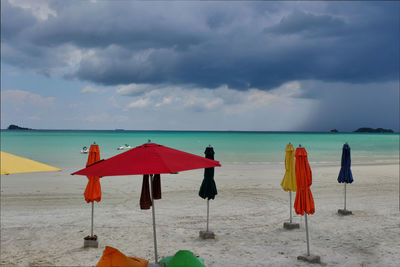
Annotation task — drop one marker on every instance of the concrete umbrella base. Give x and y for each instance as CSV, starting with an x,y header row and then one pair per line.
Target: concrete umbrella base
x,y
207,235
310,258
87,243
291,225
344,212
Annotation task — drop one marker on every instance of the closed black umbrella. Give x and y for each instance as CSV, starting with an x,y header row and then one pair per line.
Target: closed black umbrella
x,y
345,175
208,188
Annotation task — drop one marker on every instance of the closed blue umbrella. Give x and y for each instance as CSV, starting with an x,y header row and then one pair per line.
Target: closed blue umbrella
x,y
345,175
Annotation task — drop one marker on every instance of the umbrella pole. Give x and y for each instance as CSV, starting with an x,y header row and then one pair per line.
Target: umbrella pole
x,y
290,205
308,241
154,218
208,211
91,232
345,196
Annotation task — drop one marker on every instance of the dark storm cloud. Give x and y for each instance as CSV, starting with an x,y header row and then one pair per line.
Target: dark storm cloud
x,y
308,24
208,44
15,23
348,107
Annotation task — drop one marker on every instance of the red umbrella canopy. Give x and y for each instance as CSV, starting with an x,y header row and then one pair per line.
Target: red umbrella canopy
x,y
93,188
148,158
304,201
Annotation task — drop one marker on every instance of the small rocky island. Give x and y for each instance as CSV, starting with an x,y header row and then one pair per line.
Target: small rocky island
x,y
16,127
371,130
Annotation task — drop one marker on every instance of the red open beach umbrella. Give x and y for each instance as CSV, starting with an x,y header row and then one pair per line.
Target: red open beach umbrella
x,y
93,188
304,202
148,159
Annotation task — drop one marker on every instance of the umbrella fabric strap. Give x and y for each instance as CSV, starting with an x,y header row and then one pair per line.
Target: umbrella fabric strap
x,y
145,200
156,186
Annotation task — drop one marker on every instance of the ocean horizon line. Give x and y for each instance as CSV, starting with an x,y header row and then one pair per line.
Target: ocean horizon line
x,y
193,131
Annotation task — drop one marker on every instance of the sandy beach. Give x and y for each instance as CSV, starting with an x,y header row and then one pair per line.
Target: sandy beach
x,y
44,218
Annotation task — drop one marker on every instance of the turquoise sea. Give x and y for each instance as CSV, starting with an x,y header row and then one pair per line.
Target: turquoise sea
x,y
62,148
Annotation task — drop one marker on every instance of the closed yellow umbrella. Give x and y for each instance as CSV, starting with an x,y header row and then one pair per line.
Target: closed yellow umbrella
x,y
289,182
14,164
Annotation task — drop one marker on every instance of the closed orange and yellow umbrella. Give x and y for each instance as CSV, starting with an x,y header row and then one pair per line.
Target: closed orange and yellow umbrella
x,y
11,163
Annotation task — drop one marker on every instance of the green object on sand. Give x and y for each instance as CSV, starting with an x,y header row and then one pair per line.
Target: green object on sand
x,y
183,258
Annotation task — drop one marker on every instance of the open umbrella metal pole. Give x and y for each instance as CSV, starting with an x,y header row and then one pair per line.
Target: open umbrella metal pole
x,y
290,205
91,232
308,241
154,218
208,211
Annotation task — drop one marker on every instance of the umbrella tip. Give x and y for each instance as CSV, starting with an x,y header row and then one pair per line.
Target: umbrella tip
x,y
148,141
94,143
299,145
209,146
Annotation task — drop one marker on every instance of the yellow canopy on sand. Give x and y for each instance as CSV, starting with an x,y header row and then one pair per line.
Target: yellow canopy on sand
x,y
289,180
14,164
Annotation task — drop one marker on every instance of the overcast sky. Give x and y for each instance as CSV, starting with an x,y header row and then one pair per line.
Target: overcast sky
x,y
273,66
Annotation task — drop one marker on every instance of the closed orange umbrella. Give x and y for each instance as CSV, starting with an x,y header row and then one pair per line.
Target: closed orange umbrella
x,y
304,202
93,188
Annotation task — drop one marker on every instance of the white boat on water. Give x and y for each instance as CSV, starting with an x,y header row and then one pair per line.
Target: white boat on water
x,y
84,150
126,146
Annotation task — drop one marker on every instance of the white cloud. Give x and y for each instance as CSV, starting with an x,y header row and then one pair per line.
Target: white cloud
x,y
99,117
39,8
289,89
25,108
140,103
132,89
89,89
220,108
222,98
20,98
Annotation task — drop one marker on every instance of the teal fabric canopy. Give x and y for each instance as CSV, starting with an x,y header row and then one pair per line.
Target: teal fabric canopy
x,y
183,258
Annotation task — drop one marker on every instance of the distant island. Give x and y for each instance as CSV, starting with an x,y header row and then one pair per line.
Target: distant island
x,y
371,130
334,131
16,127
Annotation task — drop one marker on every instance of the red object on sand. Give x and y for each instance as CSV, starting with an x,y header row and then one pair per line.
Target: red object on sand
x,y
93,188
304,201
149,158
